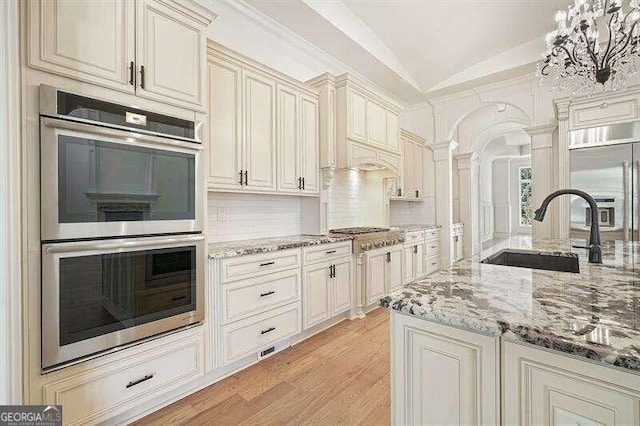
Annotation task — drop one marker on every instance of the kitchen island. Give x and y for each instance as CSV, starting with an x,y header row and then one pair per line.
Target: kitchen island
x,y
481,343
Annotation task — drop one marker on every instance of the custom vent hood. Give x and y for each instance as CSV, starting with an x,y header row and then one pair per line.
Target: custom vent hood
x,y
359,125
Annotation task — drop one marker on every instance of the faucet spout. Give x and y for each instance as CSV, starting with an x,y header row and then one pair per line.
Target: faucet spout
x,y
595,251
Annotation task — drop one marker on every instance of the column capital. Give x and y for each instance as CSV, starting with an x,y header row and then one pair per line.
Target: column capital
x,y
466,159
541,130
562,109
442,150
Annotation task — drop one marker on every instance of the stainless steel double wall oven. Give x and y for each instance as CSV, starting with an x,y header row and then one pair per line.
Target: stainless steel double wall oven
x,y
121,226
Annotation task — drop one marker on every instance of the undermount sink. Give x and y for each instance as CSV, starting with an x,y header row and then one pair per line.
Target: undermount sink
x,y
548,261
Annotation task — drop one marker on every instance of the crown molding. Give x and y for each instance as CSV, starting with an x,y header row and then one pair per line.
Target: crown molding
x,y
271,26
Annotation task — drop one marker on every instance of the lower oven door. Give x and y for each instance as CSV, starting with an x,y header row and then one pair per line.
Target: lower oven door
x,y
100,295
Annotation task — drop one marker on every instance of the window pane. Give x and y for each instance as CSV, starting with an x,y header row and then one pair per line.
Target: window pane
x,y
525,173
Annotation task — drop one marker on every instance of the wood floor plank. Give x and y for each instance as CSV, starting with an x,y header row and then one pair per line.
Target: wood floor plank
x,y
339,376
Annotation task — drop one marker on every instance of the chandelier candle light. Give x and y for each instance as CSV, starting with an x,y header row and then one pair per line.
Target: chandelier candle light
x,y
595,47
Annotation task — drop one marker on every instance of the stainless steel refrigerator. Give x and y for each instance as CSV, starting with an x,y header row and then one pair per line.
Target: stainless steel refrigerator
x,y
605,162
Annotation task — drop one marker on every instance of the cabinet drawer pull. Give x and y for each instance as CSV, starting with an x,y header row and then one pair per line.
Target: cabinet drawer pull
x,y
132,73
267,263
330,251
268,330
241,182
299,183
176,298
137,382
246,177
434,247
415,249
142,76
303,183
268,293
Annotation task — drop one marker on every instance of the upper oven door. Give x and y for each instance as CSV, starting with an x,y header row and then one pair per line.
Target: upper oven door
x,y
102,182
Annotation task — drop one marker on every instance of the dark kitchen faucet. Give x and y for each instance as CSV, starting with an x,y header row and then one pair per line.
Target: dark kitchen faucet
x,y
595,252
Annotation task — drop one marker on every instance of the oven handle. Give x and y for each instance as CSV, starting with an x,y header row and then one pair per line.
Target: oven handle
x,y
121,134
104,245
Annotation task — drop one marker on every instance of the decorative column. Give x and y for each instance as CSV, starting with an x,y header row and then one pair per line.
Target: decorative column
x,y
442,155
543,177
564,181
468,193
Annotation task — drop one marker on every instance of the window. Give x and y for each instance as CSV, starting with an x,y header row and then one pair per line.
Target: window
x,y
526,213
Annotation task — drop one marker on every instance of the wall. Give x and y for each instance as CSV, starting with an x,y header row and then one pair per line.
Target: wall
x,y
346,199
244,216
418,119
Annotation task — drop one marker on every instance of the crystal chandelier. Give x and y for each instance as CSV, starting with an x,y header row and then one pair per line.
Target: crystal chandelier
x,y
595,47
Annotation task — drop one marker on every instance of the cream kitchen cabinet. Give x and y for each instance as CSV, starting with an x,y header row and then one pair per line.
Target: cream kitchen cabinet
x,y
411,183
297,132
263,128
327,290
545,388
152,48
443,375
259,118
384,272
413,260
367,124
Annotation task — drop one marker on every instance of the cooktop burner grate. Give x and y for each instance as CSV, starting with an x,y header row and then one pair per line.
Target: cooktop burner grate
x,y
358,230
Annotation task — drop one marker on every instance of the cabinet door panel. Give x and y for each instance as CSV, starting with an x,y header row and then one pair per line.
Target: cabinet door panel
x,y
288,145
418,263
393,131
259,131
376,123
395,276
88,41
316,288
442,375
418,169
376,267
342,285
172,48
543,388
408,178
225,145
309,143
357,112
408,257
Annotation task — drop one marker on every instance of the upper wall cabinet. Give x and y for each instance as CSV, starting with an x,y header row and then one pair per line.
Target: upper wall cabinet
x,y
152,48
412,182
366,132
263,128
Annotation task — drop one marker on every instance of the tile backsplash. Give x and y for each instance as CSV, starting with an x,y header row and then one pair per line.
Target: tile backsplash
x,y
244,216
411,212
346,199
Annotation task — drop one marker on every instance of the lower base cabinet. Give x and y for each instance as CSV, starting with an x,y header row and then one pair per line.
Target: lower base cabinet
x,y
383,272
545,388
445,375
154,368
327,289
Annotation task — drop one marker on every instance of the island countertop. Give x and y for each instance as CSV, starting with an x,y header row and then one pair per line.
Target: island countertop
x,y
593,314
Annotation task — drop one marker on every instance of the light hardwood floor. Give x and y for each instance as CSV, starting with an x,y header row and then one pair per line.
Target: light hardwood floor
x,y
340,376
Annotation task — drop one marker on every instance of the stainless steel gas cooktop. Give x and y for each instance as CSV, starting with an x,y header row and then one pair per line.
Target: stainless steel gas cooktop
x,y
370,238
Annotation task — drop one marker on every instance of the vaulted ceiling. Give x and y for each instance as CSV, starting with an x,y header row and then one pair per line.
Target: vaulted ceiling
x,y
418,49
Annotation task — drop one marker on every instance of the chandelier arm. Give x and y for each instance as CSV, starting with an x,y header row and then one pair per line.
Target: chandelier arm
x,y
627,40
594,58
605,57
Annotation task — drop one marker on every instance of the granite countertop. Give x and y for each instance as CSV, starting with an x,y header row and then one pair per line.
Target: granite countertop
x,y
265,245
594,314
416,227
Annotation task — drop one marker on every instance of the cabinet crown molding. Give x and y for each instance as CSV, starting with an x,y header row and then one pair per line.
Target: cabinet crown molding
x,y
376,94
218,51
192,9
414,138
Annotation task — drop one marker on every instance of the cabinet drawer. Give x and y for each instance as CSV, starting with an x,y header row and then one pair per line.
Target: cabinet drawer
x,y
432,234
326,252
250,266
91,396
256,295
414,236
253,334
431,247
432,264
